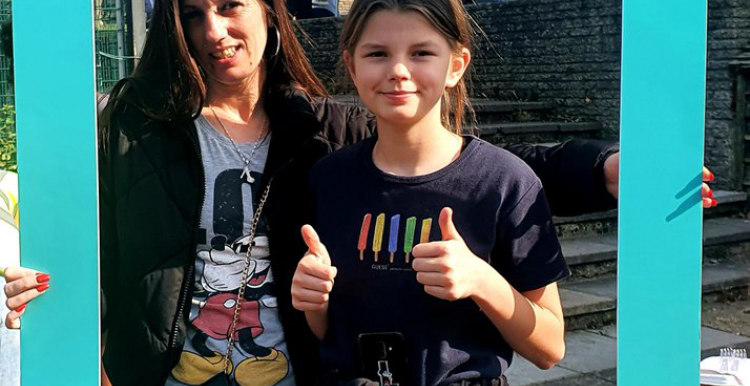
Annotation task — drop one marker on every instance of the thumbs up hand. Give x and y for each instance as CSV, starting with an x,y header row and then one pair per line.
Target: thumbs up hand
x,y
313,279
448,269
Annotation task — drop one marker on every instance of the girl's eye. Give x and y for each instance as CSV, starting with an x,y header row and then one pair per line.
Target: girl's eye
x,y
423,53
375,54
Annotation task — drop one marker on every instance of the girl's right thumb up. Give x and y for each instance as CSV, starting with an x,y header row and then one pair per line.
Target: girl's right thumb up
x,y
314,244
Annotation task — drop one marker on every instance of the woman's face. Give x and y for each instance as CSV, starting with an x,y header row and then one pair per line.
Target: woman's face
x,y
228,37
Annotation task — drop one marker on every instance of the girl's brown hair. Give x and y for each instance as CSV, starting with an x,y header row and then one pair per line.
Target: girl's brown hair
x,y
167,83
447,16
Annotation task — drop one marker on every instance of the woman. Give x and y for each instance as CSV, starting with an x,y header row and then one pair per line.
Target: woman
x,y
222,106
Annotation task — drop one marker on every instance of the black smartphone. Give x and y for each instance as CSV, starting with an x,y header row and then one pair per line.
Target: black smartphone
x,y
383,357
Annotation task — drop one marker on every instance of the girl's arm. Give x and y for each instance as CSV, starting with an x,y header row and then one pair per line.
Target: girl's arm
x,y
318,322
531,322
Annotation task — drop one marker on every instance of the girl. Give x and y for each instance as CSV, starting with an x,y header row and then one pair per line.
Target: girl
x,y
463,294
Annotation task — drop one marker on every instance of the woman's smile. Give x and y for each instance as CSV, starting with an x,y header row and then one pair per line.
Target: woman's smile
x,y
226,53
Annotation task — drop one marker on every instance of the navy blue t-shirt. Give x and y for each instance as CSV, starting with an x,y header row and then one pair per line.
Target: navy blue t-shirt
x,y
370,221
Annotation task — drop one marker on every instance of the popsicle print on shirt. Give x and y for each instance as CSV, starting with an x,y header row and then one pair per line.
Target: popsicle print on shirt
x,y
363,232
393,235
394,226
377,238
426,228
411,225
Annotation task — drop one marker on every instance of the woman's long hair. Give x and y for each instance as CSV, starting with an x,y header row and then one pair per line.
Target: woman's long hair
x,y
167,84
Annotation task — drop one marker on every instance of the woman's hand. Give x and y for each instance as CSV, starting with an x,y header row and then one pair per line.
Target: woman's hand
x,y
612,174
706,194
21,286
448,269
612,180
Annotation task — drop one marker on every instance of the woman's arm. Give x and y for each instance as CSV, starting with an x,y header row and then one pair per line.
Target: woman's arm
x,y
579,176
343,124
573,174
583,176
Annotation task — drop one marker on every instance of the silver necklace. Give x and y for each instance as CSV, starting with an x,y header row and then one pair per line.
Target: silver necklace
x,y
246,170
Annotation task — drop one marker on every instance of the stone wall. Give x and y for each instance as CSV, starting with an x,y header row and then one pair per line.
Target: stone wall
x,y
568,51
564,51
728,33
320,40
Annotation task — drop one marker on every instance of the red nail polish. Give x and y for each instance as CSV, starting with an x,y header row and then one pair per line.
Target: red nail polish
x,y
711,176
710,194
713,203
42,278
42,288
19,309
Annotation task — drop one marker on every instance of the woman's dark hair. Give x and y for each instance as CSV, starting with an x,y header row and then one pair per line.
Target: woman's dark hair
x,y
447,16
167,83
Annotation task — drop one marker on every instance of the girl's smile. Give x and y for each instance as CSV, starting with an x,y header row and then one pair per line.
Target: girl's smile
x,y
399,96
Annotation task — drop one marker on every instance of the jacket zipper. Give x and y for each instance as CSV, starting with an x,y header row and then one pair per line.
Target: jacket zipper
x,y
191,266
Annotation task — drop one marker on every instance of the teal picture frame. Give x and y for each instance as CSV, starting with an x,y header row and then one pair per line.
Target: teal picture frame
x,y
660,213
57,165
662,136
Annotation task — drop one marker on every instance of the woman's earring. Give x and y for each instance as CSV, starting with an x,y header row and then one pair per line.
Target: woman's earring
x,y
201,72
278,41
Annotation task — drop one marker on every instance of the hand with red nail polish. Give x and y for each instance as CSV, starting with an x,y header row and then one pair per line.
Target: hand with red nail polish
x,y
707,195
21,286
42,278
612,180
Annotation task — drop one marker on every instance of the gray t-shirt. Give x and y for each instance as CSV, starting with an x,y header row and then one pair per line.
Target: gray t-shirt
x,y
259,355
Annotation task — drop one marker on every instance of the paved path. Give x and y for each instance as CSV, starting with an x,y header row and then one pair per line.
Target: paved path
x,y
591,358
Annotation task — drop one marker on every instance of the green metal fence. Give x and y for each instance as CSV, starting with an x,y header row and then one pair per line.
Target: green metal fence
x,y
112,41
6,86
112,63
7,104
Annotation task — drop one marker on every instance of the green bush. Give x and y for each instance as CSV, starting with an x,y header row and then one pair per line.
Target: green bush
x,y
8,138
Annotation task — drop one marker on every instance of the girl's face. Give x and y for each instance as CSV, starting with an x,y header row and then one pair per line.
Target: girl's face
x,y
228,37
401,66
